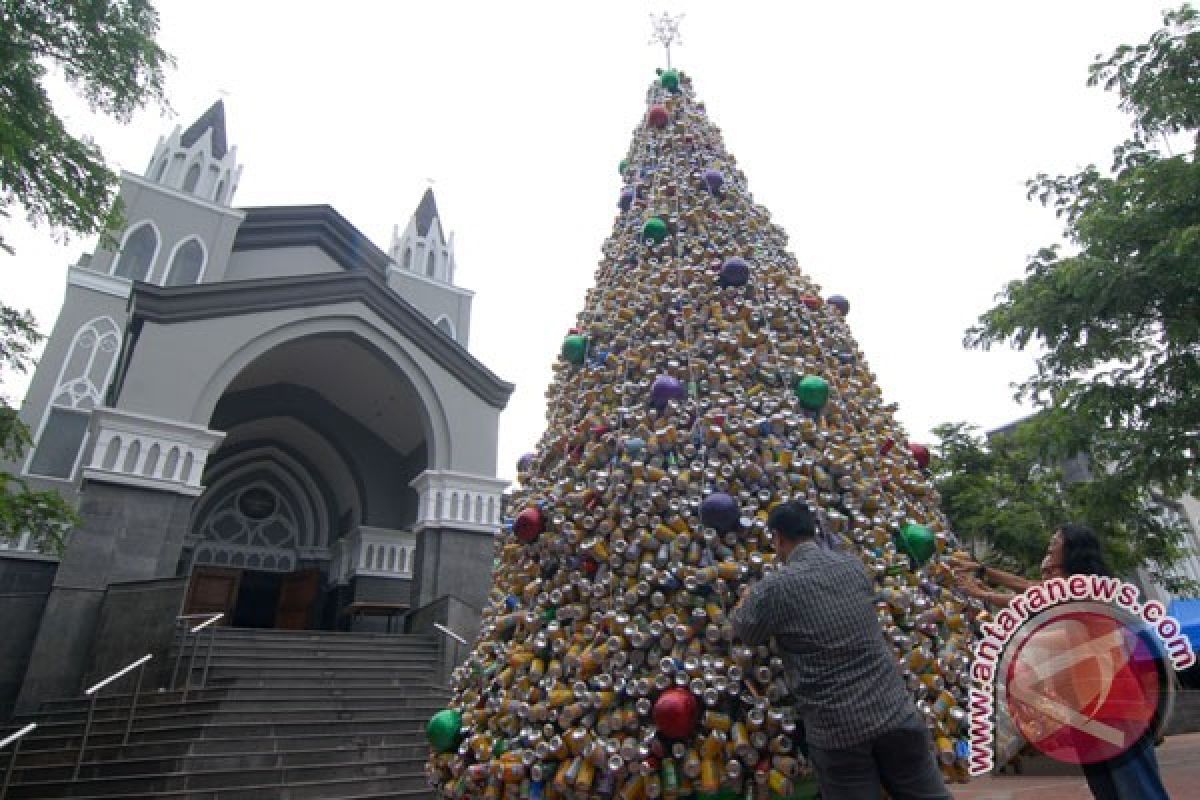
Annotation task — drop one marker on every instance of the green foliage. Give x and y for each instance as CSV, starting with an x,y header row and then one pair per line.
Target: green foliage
x,y
45,515
1006,494
1119,316
105,50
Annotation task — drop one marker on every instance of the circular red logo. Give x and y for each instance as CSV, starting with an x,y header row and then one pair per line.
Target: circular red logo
x,y
1082,686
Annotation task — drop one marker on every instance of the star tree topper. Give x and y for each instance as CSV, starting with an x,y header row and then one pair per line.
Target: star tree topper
x,y
666,32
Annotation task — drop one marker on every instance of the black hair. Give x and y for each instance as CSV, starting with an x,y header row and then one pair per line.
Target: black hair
x,y
1082,552
794,521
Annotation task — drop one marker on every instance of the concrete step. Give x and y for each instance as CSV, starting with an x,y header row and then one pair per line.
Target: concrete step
x,y
272,635
69,736
222,717
408,759
229,663
329,790
403,745
294,783
304,650
264,698
289,707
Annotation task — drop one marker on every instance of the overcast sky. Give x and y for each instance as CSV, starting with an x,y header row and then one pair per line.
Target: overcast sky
x,y
892,141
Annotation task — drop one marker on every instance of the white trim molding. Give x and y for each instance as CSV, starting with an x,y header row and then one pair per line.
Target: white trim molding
x,y
100,282
396,271
459,500
149,452
138,180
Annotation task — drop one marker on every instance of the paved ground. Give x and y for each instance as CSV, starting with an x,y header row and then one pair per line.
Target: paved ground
x,y
1178,760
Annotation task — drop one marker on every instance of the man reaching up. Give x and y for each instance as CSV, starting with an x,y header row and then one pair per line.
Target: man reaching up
x,y
864,732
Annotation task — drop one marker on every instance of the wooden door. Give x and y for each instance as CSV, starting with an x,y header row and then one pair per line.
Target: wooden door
x,y
213,589
297,594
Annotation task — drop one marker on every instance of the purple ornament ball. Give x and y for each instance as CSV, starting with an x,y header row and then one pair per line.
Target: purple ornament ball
x,y
525,462
840,303
714,180
665,389
626,199
720,511
734,272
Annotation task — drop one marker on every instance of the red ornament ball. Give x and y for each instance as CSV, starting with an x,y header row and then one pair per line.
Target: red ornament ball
x,y
676,713
657,116
812,301
920,452
529,524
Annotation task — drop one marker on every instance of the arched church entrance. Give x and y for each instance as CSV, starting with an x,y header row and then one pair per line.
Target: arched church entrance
x,y
307,517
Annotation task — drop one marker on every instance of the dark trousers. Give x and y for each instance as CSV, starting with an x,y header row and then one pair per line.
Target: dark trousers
x,y
900,760
1133,775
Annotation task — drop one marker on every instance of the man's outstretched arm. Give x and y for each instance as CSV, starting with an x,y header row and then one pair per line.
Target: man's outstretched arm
x,y
750,617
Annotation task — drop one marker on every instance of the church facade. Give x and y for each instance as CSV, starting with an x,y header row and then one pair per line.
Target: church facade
x,y
257,411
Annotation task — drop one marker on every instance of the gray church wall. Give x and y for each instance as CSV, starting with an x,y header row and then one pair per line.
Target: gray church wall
x,y
455,614
218,348
24,587
136,618
435,299
276,262
127,534
453,562
176,216
80,306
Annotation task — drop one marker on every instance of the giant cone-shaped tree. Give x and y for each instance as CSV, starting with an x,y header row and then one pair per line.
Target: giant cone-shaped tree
x,y
707,380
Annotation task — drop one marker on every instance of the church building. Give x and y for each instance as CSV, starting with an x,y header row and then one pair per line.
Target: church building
x,y
256,411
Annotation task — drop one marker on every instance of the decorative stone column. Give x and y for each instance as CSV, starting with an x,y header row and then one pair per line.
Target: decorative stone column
x,y
457,518
135,505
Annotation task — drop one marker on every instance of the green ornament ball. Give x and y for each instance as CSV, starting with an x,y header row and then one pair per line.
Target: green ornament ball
x,y
812,391
669,79
655,230
574,348
624,165
443,730
917,542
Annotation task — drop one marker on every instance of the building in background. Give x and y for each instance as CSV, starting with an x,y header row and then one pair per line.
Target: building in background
x,y
257,411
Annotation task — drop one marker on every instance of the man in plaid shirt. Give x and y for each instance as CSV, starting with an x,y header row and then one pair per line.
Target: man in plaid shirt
x,y
863,730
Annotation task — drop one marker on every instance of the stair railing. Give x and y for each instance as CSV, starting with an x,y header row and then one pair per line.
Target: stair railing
x,y
458,640
12,761
94,693
208,624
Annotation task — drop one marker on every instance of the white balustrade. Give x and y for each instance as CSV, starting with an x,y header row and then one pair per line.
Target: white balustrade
x,y
377,552
23,546
150,452
458,500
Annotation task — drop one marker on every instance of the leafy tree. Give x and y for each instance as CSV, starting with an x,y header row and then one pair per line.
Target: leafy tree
x,y
1118,315
106,51
1005,494
43,514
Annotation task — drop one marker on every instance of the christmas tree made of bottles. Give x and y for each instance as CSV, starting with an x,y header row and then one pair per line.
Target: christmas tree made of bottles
x,y
706,381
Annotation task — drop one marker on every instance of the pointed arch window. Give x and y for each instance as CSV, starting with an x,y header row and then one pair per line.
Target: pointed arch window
x,y
408,258
446,326
192,178
431,265
162,169
187,265
219,195
137,253
81,383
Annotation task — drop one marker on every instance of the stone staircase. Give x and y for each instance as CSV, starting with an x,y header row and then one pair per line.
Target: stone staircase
x,y
284,715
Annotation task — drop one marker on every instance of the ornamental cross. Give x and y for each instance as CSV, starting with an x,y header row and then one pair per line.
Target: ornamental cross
x,y
666,32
